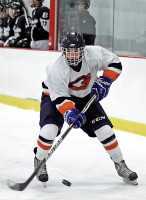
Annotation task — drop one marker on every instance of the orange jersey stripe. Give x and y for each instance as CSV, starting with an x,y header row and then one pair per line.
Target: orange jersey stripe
x,y
44,146
110,74
112,146
69,105
46,93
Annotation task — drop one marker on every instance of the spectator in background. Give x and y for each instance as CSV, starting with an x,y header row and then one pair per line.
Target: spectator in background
x,y
2,18
75,17
40,25
8,22
21,37
86,22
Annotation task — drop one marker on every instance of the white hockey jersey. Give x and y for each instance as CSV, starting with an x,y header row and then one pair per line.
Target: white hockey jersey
x,y
63,81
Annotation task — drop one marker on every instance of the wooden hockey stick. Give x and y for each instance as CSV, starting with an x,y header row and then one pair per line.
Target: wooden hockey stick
x,y
21,186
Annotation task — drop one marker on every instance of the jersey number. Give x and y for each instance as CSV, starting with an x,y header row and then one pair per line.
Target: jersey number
x,y
45,15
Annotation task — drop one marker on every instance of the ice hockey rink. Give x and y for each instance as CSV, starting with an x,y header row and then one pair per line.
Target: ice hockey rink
x,y
79,159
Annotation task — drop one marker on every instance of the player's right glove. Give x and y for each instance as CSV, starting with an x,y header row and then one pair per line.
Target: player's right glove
x,y
75,117
101,87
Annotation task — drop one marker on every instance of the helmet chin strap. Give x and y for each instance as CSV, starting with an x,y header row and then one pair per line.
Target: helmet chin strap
x,y
73,62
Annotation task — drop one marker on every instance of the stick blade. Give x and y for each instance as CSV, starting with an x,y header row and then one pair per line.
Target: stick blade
x,y
15,186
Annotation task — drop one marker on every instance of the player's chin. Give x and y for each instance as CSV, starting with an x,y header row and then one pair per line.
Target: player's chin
x,y
74,63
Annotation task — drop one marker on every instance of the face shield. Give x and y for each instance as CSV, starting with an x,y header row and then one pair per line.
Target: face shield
x,y
73,55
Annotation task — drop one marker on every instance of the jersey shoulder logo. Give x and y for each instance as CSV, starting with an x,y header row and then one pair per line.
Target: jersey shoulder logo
x,y
81,83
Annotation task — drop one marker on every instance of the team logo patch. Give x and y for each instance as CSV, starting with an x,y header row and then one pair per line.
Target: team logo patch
x,y
80,83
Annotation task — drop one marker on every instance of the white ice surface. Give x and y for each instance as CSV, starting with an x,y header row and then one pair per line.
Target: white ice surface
x,y
79,159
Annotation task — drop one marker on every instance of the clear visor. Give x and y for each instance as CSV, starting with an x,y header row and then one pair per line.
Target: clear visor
x,y
73,55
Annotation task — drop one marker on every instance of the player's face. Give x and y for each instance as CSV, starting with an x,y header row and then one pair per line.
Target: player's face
x,y
16,12
2,15
81,6
35,3
73,55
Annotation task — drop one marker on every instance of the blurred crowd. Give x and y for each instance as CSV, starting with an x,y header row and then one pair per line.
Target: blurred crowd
x,y
75,16
17,29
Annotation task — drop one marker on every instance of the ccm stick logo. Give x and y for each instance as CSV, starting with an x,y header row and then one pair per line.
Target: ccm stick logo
x,y
54,147
98,119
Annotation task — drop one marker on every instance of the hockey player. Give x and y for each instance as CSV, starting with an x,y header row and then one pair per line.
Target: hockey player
x,y
71,81
8,22
40,25
21,27
3,16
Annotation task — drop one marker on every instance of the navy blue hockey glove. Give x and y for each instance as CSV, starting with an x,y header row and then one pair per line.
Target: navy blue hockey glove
x,y
75,117
101,87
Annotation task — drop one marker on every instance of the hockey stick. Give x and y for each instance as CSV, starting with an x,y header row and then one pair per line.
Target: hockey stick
x,y
25,15
27,22
21,186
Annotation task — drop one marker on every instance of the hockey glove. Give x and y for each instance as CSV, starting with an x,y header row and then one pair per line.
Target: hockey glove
x,y
10,42
101,87
75,117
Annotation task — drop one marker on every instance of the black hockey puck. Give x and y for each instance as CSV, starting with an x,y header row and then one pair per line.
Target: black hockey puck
x,y
67,183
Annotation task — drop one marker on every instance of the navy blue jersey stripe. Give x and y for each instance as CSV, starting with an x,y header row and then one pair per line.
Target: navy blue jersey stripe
x,y
116,65
59,100
108,139
44,86
45,140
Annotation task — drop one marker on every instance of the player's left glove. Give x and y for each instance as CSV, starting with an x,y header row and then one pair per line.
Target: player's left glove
x,y
101,87
75,117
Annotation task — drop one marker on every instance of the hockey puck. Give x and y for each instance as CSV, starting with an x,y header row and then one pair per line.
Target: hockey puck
x,y
67,183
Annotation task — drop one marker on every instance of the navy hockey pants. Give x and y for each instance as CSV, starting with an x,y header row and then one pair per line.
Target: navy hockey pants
x,y
96,116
